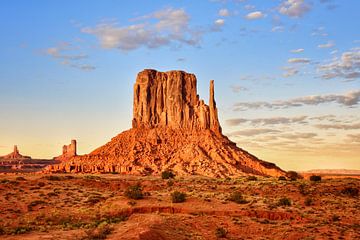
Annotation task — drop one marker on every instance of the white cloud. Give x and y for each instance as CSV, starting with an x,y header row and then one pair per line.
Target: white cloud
x,y
267,121
254,15
339,126
224,12
346,66
219,22
299,50
237,88
294,8
278,29
298,60
249,7
326,45
166,27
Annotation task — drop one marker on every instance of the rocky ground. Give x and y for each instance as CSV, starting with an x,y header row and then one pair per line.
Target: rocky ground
x,y
35,206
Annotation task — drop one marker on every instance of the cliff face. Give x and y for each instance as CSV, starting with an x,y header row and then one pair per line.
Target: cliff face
x,y
68,151
169,99
172,129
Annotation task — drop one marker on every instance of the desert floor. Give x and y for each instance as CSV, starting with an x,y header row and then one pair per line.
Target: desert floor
x,y
35,206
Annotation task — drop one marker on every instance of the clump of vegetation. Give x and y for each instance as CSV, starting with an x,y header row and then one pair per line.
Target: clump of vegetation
x,y
20,179
284,202
238,198
315,178
282,178
220,232
98,233
350,191
308,201
178,197
251,178
35,203
293,176
21,230
167,174
134,192
170,183
335,218
303,189
94,199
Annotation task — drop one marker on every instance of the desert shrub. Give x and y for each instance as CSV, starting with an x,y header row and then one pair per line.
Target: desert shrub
x,y
167,174
170,183
220,232
282,178
134,192
308,201
251,178
21,230
2,231
35,203
284,202
237,198
41,184
98,233
94,199
335,218
178,197
315,178
350,191
303,189
20,179
293,176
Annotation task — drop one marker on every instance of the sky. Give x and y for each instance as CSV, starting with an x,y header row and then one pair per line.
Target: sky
x,y
287,72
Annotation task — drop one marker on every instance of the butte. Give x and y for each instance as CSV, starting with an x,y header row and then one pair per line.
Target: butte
x,y
172,129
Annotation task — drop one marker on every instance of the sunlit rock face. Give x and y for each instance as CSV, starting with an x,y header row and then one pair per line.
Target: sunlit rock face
x,y
171,129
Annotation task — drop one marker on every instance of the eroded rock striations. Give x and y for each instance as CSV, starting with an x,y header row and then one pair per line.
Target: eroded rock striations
x,y
172,129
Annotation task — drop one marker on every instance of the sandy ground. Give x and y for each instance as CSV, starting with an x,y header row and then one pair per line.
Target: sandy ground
x,y
35,206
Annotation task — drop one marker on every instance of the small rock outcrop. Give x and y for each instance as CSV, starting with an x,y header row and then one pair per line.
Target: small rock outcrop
x,y
171,129
68,151
15,155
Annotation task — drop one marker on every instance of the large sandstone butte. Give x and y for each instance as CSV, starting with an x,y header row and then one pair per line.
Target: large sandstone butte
x,y
172,129
68,151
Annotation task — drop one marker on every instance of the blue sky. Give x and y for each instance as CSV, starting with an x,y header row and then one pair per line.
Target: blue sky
x,y
286,72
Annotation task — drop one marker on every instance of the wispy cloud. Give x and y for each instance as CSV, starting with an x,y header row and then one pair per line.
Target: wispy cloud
x,y
339,126
237,88
299,50
329,44
267,121
60,52
290,71
253,132
298,60
349,99
346,66
161,28
254,15
224,12
294,8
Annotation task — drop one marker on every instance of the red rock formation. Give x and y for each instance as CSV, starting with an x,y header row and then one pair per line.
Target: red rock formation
x,y
172,129
68,152
15,155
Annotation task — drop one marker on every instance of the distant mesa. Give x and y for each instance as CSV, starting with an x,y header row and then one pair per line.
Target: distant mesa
x,y
15,155
172,128
68,151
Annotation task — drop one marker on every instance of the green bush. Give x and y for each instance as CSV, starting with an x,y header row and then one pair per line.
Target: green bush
x,y
178,197
238,198
167,174
134,192
284,202
308,201
315,178
220,232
